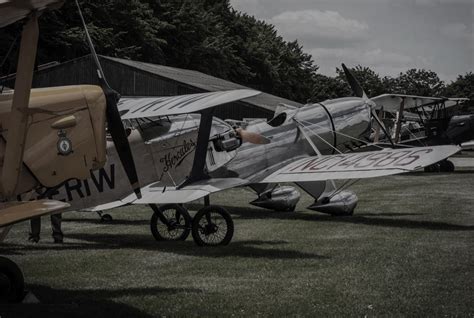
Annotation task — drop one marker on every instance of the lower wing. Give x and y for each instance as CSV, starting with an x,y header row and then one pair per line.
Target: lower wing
x,y
361,165
157,194
345,166
16,212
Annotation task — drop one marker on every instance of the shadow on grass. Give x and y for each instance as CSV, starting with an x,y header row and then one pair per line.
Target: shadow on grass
x,y
113,222
85,303
248,249
376,219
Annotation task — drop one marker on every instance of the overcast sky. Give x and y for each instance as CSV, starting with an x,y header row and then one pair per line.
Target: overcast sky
x,y
390,36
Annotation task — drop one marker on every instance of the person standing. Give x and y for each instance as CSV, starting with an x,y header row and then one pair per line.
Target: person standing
x,y
35,224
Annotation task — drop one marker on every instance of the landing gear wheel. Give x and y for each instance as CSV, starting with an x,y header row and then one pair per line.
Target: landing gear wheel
x,y
12,284
106,218
433,168
446,166
212,226
170,222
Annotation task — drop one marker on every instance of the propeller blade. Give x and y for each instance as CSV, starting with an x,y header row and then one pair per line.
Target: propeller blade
x,y
252,137
354,83
114,121
382,126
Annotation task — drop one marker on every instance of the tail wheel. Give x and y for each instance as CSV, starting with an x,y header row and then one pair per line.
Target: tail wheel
x,y
212,226
12,284
170,222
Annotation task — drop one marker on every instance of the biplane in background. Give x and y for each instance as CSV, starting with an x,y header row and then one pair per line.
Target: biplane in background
x,y
409,120
424,121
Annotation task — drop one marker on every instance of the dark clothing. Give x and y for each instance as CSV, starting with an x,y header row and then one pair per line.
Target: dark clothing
x,y
55,225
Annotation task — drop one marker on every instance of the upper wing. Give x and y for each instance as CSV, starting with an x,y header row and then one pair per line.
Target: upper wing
x,y
391,102
141,107
14,10
21,211
361,165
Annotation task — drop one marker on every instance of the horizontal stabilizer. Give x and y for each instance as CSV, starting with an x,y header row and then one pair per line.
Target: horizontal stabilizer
x,y
21,211
145,107
361,165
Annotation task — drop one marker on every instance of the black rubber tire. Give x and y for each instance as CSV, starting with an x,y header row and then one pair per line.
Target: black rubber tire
x,y
12,286
200,221
446,166
160,230
433,168
451,167
106,218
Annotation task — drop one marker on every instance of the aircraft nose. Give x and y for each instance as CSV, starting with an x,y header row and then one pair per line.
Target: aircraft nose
x,y
461,129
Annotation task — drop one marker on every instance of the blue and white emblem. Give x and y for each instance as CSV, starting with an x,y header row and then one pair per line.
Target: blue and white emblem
x,y
64,144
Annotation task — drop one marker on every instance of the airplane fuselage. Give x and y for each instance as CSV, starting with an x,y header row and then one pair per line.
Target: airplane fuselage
x,y
164,151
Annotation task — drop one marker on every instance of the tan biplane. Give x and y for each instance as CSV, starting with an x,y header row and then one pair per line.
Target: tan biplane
x,y
48,135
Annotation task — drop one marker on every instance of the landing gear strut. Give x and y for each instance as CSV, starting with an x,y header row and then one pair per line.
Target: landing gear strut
x,y
212,225
12,284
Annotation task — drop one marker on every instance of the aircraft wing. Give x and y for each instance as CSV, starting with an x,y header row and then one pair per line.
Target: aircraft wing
x,y
361,165
157,194
21,211
14,10
143,107
391,102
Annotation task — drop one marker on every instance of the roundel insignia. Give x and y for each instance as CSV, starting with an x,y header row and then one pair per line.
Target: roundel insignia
x,y
64,144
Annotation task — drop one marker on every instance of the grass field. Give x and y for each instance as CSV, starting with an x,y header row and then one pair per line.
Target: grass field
x,y
408,251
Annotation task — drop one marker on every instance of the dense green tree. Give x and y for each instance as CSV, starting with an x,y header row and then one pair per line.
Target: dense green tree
x,y
370,81
463,86
326,87
207,36
211,37
418,82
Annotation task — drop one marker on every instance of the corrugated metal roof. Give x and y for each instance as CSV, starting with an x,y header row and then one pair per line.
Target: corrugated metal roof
x,y
204,82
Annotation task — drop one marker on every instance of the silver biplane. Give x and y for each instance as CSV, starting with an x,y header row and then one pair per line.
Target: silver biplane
x,y
182,153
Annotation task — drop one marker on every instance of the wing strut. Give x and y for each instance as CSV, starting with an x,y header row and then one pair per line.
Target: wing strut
x,y
197,171
398,124
18,123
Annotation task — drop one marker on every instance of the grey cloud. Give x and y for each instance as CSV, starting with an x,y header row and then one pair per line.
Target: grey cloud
x,y
317,28
389,36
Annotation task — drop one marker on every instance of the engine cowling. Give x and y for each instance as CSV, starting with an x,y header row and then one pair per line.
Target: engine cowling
x,y
278,199
343,203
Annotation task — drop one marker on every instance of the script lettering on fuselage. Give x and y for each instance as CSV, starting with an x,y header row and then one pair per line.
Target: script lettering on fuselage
x,y
365,161
175,157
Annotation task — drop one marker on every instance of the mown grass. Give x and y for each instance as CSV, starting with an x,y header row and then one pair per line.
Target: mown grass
x,y
408,251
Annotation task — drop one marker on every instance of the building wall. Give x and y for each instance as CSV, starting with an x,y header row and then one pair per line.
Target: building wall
x,y
129,81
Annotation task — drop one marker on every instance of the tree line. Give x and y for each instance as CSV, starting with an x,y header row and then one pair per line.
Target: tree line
x,y
211,37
